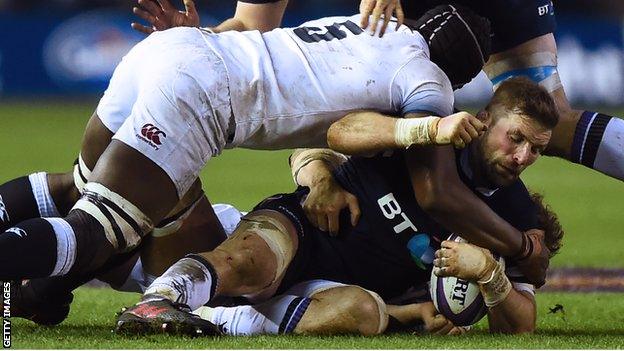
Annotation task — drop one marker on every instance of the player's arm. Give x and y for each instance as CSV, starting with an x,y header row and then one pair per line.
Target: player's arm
x,y
254,15
435,180
313,168
262,15
442,194
514,315
369,132
510,311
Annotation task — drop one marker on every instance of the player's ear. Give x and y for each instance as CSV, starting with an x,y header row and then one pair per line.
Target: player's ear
x,y
484,117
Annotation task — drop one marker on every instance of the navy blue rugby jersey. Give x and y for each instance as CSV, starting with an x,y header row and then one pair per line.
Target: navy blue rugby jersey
x,y
513,21
393,244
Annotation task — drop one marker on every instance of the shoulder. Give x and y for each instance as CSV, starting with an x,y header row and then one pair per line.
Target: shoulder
x,y
421,86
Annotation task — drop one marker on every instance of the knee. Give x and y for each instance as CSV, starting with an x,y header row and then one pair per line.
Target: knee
x,y
244,265
367,309
92,248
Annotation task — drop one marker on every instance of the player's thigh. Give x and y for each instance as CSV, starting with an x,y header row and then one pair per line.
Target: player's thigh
x,y
254,259
201,231
537,60
95,140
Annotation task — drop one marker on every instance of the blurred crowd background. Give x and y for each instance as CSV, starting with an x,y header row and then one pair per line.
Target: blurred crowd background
x,y
610,8
70,47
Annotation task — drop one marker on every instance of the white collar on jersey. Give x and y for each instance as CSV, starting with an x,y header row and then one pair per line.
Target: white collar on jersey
x,y
464,162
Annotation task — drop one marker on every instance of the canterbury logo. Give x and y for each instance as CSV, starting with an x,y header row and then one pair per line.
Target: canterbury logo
x,y
153,133
17,231
4,214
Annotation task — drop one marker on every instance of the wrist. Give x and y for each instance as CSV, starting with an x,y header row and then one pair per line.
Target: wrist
x,y
489,265
321,177
525,250
414,131
496,287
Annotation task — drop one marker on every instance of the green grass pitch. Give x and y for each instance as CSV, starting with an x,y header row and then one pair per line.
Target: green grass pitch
x,y
46,136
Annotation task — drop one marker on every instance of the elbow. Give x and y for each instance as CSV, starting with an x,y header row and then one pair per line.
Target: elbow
x,y
335,137
524,329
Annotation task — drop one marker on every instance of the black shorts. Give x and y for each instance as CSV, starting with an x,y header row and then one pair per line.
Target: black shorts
x,y
364,258
513,21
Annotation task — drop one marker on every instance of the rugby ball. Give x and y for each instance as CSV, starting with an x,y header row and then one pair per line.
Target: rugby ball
x,y
458,300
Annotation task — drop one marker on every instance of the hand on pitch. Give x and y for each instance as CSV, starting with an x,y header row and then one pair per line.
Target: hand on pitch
x,y
437,324
463,260
324,203
458,129
536,258
377,8
162,15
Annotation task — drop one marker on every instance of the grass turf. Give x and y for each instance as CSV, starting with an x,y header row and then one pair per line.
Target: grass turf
x,y
590,321
46,136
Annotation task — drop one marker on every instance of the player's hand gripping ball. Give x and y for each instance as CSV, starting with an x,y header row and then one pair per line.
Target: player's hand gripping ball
x,y
459,298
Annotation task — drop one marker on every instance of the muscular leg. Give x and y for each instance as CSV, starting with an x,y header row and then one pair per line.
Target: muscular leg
x,y
201,231
252,260
343,309
584,137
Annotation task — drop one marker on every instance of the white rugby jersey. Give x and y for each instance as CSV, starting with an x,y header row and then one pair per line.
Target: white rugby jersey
x,y
287,86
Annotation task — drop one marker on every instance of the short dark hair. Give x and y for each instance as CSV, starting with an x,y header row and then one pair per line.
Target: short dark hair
x,y
528,98
549,222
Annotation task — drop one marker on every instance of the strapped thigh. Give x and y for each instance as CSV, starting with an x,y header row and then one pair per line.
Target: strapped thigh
x,y
540,67
124,224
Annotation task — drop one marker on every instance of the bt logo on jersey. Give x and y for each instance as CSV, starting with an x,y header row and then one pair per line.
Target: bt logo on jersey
x,y
390,208
544,9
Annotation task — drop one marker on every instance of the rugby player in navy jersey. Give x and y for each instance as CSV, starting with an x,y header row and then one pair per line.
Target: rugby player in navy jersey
x,y
391,247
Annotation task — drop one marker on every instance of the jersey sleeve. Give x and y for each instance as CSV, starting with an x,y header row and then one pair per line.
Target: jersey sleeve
x,y
517,279
420,86
514,204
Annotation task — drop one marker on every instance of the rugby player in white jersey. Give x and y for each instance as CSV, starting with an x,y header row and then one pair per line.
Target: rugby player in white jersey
x,y
202,92
523,45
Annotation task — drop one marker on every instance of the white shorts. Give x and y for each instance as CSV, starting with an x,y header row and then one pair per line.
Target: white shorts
x,y
311,287
169,99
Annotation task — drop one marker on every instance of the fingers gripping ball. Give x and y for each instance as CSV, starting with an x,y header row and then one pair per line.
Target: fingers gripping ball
x,y
459,300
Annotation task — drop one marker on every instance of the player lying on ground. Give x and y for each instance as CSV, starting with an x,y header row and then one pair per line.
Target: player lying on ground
x,y
338,308
390,248
143,157
523,45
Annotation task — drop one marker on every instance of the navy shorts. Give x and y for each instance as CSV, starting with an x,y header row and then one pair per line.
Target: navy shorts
x,y
354,257
513,21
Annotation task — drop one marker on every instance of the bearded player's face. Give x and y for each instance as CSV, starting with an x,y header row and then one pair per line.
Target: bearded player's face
x,y
511,144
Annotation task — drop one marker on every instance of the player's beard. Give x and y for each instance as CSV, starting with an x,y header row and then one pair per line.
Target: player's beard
x,y
492,168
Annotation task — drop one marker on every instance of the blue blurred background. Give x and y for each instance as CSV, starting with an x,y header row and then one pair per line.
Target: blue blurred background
x,y
69,48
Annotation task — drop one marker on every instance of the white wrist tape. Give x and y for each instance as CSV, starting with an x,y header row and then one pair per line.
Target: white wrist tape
x,y
496,288
413,131
301,158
